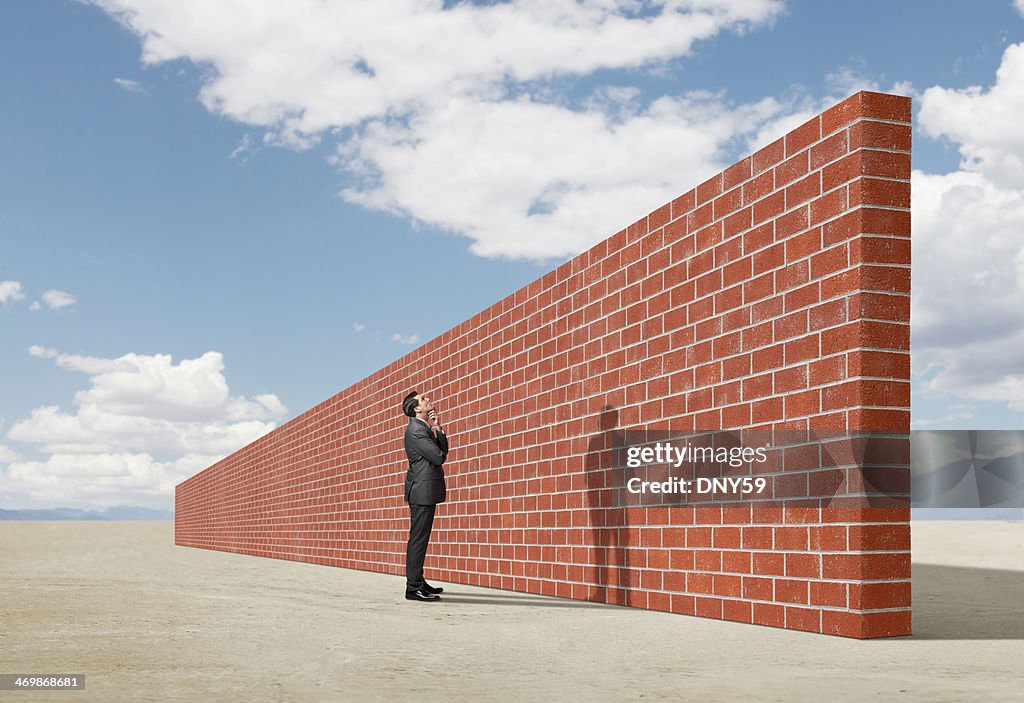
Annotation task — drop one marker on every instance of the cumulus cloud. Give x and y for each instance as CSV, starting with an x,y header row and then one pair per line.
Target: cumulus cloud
x,y
1019,4
129,85
144,424
54,300
444,113
7,454
101,480
57,299
413,338
528,179
10,291
984,123
307,66
968,272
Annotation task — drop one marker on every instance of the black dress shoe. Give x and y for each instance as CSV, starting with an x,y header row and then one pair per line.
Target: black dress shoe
x,y
432,589
420,595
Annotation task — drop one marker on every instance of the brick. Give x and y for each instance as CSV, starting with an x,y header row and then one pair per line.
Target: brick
x,y
879,363
660,217
791,223
806,619
851,567
791,379
842,171
803,565
791,325
769,258
878,191
684,204
842,114
885,106
887,279
803,136
886,164
880,306
791,591
879,135
829,205
803,190
757,387
884,250
880,537
828,150
736,223
793,275
827,370
805,403
728,202
709,189
700,217
885,335
758,187
828,314
791,169
769,207
878,221
828,593
873,596
737,173
769,614
737,611
768,156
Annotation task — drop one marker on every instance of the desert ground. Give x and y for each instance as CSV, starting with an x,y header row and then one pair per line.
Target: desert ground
x,y
145,620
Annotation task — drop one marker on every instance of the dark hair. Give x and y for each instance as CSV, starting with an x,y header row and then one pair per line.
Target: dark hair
x,y
409,404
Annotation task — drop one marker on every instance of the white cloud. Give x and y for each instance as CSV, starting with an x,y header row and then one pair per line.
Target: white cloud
x,y
101,480
985,124
529,179
406,338
144,424
9,291
854,77
7,454
306,66
968,267
129,85
1019,4
74,362
358,327
57,299
941,421
446,115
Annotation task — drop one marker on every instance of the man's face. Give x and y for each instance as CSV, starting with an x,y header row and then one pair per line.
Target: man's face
x,y
425,406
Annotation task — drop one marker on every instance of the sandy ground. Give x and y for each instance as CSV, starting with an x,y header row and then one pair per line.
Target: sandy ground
x,y
145,620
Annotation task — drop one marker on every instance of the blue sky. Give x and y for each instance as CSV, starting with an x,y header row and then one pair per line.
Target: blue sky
x,y
207,210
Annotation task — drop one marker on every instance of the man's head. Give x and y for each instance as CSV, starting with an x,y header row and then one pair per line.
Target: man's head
x,y
417,405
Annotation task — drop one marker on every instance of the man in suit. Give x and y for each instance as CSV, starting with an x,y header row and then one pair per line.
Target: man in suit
x,y
426,446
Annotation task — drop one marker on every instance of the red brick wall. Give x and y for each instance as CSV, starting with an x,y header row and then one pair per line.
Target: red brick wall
x,y
775,294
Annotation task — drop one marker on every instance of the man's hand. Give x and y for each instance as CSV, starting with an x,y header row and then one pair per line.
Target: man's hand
x,y
435,423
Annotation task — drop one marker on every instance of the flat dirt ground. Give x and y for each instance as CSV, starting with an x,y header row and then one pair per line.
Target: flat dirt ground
x,y
145,620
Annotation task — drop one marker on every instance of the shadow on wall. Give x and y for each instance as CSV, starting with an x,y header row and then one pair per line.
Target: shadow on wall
x,y
960,603
609,525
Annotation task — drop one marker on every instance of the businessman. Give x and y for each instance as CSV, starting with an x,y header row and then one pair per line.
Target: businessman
x,y
426,446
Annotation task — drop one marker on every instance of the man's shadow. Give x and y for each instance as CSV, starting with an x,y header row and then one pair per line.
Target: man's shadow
x,y
609,524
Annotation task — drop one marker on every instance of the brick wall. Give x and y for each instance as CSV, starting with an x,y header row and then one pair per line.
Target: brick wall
x,y
773,295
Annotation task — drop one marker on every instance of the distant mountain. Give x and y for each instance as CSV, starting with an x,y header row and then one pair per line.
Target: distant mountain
x,y
119,512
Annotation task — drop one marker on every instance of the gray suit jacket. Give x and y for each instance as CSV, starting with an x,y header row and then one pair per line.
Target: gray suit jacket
x,y
424,482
